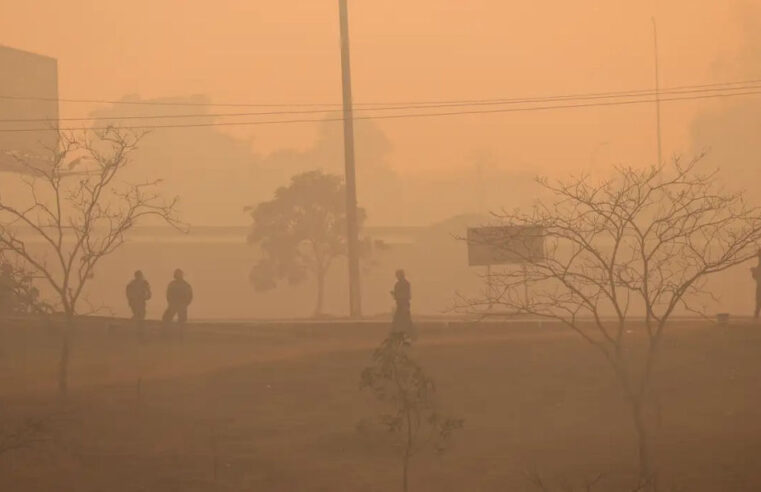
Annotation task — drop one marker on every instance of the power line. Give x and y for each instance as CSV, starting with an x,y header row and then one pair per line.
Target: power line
x,y
583,95
155,103
396,116
375,104
642,93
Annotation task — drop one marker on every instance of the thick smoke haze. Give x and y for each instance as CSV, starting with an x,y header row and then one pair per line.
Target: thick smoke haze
x,y
729,132
550,279
434,51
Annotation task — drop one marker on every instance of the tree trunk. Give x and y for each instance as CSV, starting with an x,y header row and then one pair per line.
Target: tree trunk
x,y
63,363
646,475
320,293
638,398
407,452
404,472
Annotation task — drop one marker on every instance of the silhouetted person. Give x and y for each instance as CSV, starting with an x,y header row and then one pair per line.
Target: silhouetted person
x,y
179,295
402,294
756,272
138,294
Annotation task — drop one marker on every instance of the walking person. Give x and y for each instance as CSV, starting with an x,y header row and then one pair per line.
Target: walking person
x,y
138,294
402,294
179,295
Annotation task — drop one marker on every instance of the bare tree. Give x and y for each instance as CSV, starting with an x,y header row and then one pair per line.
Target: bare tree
x,y
396,379
68,213
622,256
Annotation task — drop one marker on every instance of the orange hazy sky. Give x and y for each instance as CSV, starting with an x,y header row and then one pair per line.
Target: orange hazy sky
x,y
286,51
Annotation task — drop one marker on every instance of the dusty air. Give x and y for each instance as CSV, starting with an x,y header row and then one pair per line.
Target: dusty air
x,y
345,245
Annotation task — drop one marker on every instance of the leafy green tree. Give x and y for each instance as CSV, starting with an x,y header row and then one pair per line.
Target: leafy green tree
x,y
301,231
397,380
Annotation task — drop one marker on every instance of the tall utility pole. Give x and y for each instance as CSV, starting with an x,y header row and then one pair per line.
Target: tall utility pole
x,y
352,229
657,93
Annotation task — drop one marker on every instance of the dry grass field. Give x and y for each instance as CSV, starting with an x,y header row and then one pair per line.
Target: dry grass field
x,y
278,408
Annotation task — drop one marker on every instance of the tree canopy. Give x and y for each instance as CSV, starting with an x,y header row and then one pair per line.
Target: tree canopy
x,y
300,232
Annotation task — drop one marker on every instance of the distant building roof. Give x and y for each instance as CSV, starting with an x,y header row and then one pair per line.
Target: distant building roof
x,y
28,90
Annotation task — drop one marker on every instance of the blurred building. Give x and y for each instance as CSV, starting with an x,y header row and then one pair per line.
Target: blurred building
x,y
28,90
217,261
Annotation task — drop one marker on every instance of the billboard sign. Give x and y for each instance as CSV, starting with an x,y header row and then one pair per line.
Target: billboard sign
x,y
503,245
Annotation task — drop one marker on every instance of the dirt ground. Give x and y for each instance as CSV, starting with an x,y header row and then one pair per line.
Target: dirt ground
x,y
264,409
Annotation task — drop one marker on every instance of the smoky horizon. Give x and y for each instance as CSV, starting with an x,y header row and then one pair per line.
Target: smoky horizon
x,y
375,246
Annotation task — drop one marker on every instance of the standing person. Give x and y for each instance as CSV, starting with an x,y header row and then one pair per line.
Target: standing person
x,y
179,295
402,294
138,293
756,273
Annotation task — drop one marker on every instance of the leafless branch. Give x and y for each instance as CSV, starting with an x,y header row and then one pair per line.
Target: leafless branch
x,y
642,241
